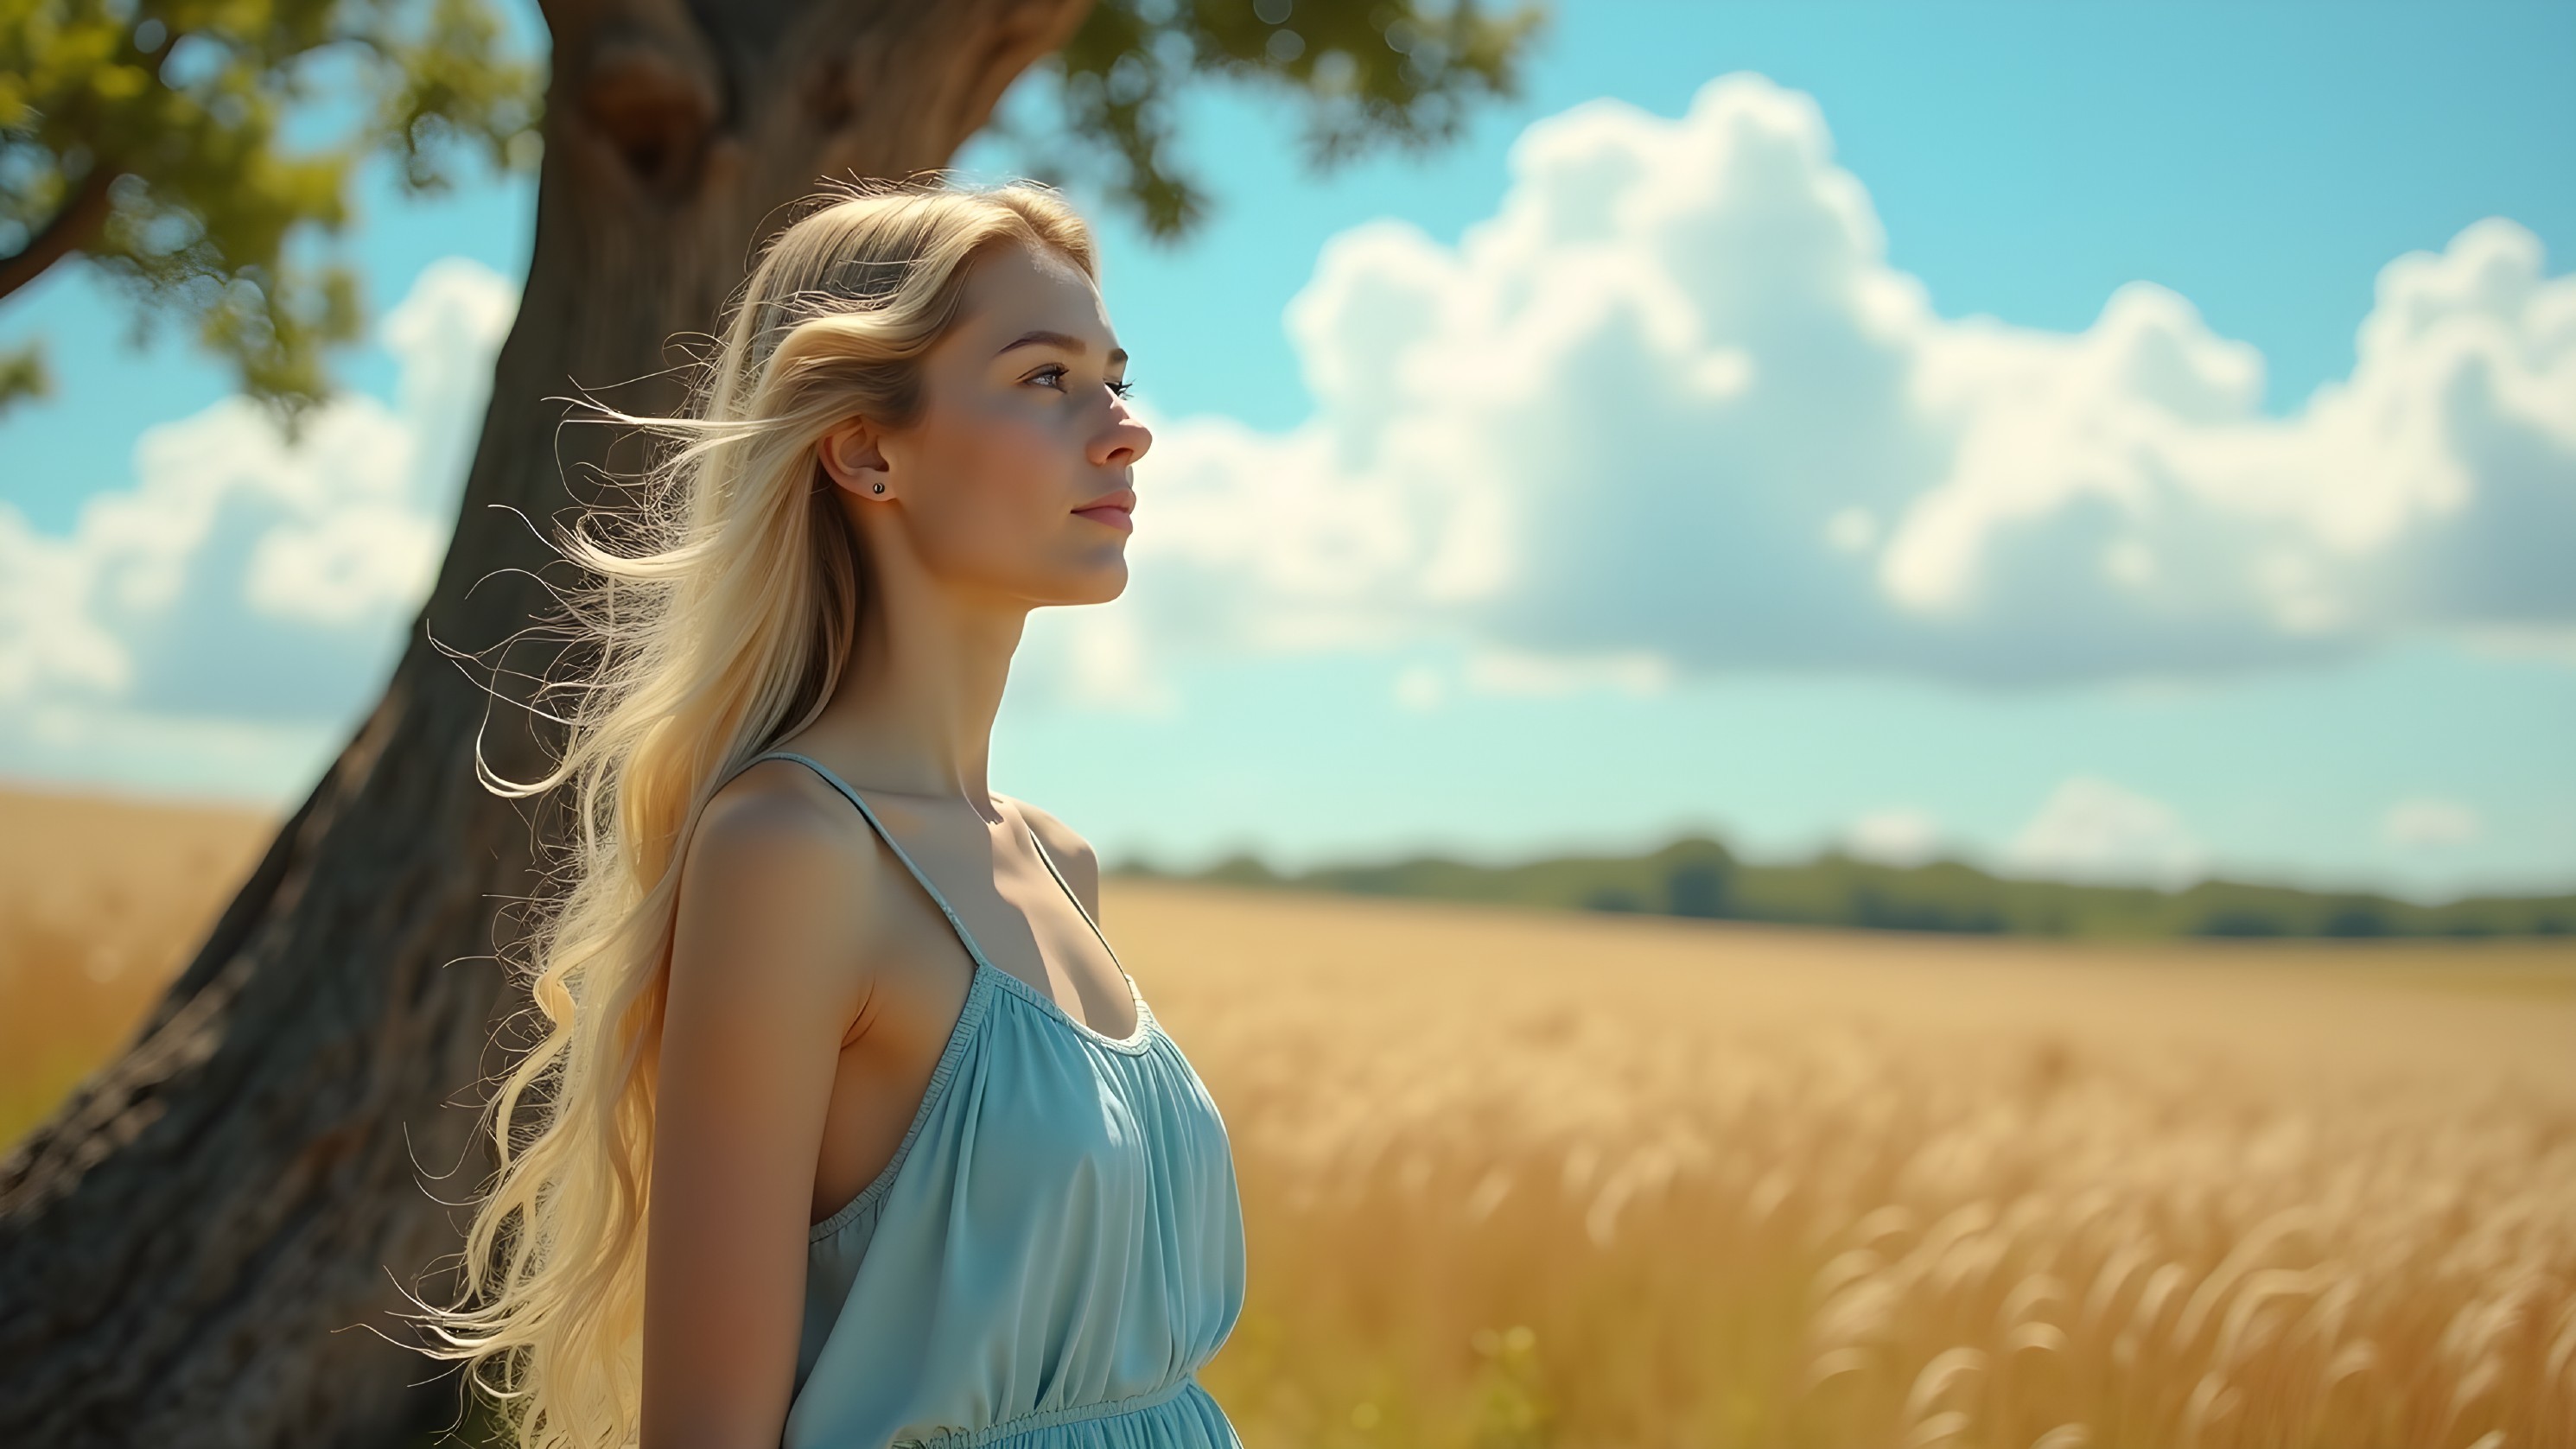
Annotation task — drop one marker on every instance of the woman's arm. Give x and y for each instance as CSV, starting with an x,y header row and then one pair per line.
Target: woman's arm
x,y
766,975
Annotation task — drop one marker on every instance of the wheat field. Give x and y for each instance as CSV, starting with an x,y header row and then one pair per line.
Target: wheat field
x,y
1514,1178
101,899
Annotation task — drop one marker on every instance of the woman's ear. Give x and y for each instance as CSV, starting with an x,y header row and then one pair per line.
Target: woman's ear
x,y
850,454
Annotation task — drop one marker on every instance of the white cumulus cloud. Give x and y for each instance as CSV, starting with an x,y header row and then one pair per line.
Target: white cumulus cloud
x,y
1672,400
244,580
2092,830
2429,821
1899,837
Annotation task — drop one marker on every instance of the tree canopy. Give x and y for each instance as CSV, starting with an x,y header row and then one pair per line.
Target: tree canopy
x,y
202,153
153,142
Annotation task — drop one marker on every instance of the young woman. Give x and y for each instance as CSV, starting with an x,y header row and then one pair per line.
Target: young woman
x,y
858,1132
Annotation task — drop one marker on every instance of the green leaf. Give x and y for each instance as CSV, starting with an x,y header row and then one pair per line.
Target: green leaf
x,y
176,120
1366,73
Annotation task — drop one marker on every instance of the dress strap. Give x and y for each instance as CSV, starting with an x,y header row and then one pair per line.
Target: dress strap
x,y
1045,855
941,901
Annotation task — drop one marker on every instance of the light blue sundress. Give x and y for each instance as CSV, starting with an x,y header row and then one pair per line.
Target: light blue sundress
x,y
1051,1255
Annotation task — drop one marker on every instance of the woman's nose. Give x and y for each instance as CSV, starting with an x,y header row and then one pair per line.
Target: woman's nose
x,y
1126,441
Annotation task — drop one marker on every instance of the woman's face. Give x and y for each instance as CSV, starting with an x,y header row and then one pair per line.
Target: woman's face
x,y
1018,476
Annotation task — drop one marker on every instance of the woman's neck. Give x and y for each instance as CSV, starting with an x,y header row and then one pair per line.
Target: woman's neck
x,y
919,692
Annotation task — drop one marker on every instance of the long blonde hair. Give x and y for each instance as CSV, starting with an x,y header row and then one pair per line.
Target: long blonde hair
x,y
717,626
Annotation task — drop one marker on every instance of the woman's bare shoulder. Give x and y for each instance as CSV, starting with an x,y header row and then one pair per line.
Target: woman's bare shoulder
x,y
781,876
1072,854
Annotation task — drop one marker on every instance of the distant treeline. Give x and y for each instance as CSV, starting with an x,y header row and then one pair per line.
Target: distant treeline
x,y
1696,876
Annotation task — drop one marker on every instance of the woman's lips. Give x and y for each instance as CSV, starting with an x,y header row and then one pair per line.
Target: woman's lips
x,y
1111,514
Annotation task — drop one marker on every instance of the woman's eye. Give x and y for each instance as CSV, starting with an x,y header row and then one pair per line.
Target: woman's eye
x,y
1054,374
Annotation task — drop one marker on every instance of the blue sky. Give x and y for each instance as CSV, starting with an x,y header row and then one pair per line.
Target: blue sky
x,y
1782,608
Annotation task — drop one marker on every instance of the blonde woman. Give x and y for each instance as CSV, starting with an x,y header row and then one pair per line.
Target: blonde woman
x,y
854,1130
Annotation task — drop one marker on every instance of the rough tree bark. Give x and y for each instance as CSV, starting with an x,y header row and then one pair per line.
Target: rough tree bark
x,y
193,1249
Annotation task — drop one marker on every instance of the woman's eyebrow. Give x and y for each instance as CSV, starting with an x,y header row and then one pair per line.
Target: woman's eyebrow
x,y
1065,340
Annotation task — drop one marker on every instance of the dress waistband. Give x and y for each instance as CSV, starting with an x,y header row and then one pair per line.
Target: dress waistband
x,y
992,1434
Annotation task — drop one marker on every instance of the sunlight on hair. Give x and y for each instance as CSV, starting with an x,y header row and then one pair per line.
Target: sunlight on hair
x,y
726,596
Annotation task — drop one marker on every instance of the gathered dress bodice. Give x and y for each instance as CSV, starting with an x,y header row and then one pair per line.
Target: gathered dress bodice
x,y
1054,1250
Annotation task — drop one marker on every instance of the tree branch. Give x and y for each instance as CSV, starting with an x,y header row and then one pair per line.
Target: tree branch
x,y
73,227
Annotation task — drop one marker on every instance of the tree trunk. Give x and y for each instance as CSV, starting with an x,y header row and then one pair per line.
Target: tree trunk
x,y
195,1249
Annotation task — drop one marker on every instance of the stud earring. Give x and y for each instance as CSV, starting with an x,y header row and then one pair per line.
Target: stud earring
x,y
876,487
